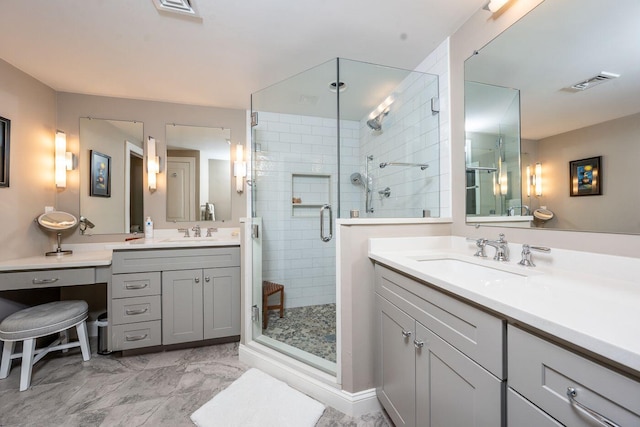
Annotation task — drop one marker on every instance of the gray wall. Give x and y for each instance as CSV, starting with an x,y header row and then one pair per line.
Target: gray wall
x,y
31,107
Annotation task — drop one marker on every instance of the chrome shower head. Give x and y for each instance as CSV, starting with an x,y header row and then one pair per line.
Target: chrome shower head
x,y
356,179
376,122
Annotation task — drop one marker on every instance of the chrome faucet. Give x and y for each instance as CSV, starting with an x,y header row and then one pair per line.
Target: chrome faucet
x,y
526,254
502,248
185,231
84,224
196,229
210,230
481,243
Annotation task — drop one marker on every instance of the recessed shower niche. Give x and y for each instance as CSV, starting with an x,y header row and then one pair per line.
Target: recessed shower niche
x,y
309,192
308,140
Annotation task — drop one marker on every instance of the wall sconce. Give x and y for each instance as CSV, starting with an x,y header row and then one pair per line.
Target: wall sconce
x,y
495,5
60,156
153,164
529,181
538,179
239,169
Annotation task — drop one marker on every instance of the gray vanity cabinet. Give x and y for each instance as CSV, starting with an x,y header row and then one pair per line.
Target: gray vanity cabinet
x,y
200,304
423,378
541,372
221,302
182,306
175,295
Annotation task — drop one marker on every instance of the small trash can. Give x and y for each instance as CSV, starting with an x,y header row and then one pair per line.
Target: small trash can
x,y
102,323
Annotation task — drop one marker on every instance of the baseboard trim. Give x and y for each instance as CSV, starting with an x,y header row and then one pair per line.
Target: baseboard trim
x,y
311,381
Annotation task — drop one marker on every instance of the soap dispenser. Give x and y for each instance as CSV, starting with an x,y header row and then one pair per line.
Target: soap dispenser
x,y
148,228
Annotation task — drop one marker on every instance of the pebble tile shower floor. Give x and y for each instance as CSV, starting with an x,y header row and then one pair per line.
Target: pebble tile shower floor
x,y
155,389
311,328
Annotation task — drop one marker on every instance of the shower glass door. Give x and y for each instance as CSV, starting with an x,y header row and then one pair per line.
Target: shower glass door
x,y
295,185
318,140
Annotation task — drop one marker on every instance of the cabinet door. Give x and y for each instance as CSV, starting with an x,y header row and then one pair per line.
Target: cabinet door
x,y
181,306
522,413
395,360
451,389
221,302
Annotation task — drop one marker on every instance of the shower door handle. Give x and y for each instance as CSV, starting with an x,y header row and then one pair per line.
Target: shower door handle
x,y
322,210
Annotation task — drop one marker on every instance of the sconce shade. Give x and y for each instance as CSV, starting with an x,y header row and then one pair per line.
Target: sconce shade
x,y
153,164
60,159
239,168
538,179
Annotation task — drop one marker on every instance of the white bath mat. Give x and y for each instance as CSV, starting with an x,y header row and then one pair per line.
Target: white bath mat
x,y
258,399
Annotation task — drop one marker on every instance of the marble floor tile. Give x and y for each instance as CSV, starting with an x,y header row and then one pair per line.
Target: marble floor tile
x,y
155,389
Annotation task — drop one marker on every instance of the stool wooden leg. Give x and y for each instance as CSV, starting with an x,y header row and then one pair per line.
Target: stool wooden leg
x,y
5,365
84,340
281,304
28,349
265,311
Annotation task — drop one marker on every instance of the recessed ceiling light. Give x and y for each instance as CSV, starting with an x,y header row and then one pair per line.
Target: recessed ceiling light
x,y
184,7
337,86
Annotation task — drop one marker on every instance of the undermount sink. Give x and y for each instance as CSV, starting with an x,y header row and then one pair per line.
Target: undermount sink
x,y
453,266
182,239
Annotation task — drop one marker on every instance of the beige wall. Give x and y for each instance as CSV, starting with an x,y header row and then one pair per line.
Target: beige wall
x,y
31,107
475,33
357,294
615,210
154,115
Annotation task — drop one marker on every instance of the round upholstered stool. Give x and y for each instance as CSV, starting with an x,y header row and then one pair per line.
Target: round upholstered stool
x,y
38,321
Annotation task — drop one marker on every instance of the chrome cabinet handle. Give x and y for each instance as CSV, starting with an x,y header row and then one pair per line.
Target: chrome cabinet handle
x,y
322,236
207,279
418,344
135,337
44,281
406,334
572,392
138,286
197,279
136,311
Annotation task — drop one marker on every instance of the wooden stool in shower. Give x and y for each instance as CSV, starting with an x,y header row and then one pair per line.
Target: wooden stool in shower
x,y
268,289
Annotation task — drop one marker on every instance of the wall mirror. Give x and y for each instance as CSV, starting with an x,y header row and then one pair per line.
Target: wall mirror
x,y
575,66
117,145
198,173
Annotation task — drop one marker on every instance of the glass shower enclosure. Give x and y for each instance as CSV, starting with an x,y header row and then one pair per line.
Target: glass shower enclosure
x,y
343,139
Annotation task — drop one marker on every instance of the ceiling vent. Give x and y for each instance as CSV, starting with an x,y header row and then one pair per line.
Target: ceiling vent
x,y
594,81
183,7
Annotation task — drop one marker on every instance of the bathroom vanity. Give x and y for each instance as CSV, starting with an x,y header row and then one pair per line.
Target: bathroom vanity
x,y
469,341
162,291
174,295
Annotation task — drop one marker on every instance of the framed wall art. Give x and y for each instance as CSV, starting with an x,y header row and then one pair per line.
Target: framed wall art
x,y
100,175
5,136
585,177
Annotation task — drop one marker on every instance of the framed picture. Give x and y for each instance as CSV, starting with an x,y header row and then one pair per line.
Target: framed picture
x,y
586,177
5,134
100,175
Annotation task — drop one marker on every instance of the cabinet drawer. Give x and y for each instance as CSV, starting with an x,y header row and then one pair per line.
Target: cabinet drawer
x,y
47,278
136,335
135,285
477,334
542,372
522,413
135,261
137,309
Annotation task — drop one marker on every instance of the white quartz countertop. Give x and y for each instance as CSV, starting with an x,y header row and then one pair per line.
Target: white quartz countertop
x,y
589,300
100,253
74,260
